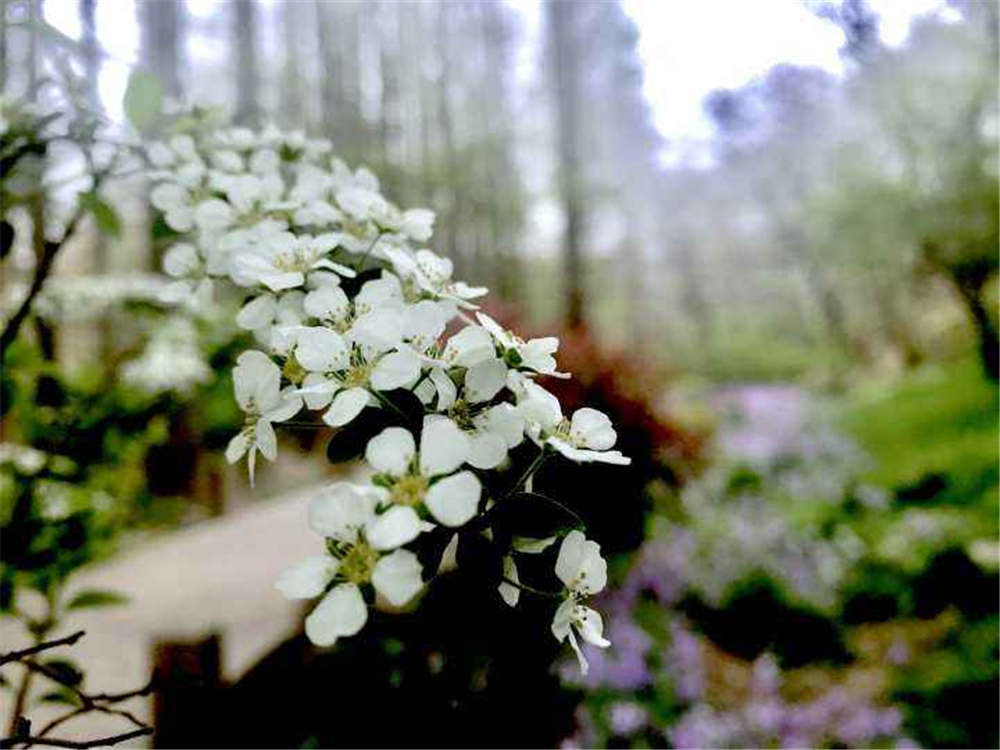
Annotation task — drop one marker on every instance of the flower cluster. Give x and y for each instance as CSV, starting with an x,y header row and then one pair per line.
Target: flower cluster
x,y
355,319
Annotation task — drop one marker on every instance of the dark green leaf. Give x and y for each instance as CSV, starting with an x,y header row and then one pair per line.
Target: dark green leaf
x,y
96,598
532,514
163,231
105,216
65,696
352,286
6,238
6,593
430,547
66,671
410,409
349,442
478,558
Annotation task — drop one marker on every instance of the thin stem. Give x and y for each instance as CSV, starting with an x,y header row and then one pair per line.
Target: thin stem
x,y
69,640
387,403
532,589
29,740
364,258
529,472
303,423
42,270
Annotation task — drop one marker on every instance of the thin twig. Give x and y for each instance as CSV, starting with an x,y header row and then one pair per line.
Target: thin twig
x,y
73,744
529,472
532,589
49,252
69,640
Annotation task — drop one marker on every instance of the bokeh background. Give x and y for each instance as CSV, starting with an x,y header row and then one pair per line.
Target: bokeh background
x,y
766,234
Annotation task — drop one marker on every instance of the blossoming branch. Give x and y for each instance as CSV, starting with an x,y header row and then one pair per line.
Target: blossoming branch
x,y
352,317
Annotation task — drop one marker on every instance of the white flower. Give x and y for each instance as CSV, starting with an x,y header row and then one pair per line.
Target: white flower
x,y
583,572
283,260
343,376
178,204
257,384
183,262
427,478
492,429
416,224
508,588
534,354
274,319
587,437
432,275
361,541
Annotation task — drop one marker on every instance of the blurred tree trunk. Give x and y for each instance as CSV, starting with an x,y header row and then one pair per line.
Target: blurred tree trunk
x,y
91,52
244,44
161,29
330,72
693,296
35,16
92,71
503,191
389,120
896,327
564,58
290,98
455,210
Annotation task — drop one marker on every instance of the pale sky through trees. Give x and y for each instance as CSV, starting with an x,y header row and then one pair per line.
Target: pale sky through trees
x,y
688,48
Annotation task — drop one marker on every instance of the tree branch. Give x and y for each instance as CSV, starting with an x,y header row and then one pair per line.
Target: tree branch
x,y
69,640
29,740
49,252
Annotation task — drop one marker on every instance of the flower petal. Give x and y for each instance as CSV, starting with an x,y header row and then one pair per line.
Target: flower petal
x,y
267,441
255,379
394,528
486,451
570,556
591,628
340,613
327,303
308,578
454,500
509,592
237,446
443,446
395,370
346,406
592,428
181,260
484,380
470,345
391,451
321,350
256,313
341,511
397,577
445,386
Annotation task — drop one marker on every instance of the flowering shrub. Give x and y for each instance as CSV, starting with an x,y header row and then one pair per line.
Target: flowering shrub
x,y
355,320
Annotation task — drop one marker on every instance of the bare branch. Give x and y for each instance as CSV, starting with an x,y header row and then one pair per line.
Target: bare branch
x,y
29,740
69,640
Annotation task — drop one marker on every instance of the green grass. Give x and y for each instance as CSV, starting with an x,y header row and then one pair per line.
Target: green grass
x,y
940,420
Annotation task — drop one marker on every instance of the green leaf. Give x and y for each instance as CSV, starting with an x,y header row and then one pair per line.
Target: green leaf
x,y
96,598
64,696
106,217
143,100
66,671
